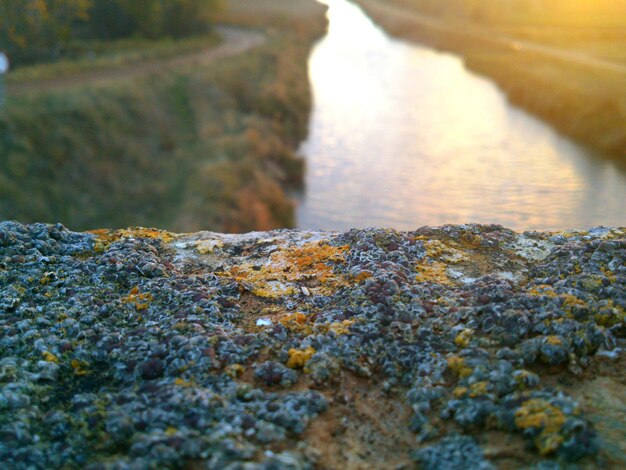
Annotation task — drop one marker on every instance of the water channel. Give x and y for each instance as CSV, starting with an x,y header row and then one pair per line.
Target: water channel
x,y
403,136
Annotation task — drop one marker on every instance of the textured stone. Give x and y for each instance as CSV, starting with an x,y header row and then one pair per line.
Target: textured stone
x,y
443,347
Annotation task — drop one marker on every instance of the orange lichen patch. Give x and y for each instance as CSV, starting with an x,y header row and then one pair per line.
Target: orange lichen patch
x,y
301,323
287,268
80,367
314,256
106,237
464,337
298,359
235,370
543,290
297,323
362,276
434,272
141,300
541,415
48,356
457,365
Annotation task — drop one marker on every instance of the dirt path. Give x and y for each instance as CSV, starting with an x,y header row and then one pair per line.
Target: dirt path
x,y
403,14
235,41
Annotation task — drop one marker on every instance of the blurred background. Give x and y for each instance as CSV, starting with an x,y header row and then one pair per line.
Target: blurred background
x,y
239,115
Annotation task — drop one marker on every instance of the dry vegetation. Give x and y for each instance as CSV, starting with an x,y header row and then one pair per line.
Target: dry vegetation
x,y
583,101
209,146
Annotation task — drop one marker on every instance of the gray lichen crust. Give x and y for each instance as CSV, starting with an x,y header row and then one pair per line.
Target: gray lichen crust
x,y
455,347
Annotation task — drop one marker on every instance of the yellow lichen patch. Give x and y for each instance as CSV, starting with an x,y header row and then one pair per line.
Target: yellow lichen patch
x,y
288,268
471,240
171,431
438,250
522,377
80,367
547,443
434,272
543,290
182,382
457,365
106,237
434,248
48,356
610,275
570,301
610,315
208,246
47,278
460,392
340,328
141,300
273,290
464,337
235,370
477,389
554,340
298,359
541,415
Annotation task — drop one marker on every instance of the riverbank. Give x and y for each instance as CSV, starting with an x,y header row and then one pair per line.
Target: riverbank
x,y
454,347
582,99
184,144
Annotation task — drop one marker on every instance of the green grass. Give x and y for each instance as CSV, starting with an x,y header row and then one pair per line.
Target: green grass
x,y
102,55
208,147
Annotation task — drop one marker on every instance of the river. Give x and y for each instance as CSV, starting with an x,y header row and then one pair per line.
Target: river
x,y
403,136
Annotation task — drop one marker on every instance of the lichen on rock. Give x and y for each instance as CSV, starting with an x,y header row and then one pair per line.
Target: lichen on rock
x,y
450,347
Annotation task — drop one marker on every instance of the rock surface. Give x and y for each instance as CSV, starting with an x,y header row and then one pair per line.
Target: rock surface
x,y
454,347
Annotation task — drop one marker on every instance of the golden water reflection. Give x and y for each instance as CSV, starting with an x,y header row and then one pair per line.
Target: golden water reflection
x,y
403,136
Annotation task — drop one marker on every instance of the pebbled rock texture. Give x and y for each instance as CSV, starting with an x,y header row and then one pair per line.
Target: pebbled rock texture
x,y
459,347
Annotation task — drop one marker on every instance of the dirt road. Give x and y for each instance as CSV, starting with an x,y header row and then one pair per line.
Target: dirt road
x,y
235,41
403,14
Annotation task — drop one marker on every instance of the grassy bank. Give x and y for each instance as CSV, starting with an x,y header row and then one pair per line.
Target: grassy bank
x,y
203,146
585,102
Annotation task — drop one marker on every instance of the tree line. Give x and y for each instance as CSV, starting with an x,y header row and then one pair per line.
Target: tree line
x,y
37,30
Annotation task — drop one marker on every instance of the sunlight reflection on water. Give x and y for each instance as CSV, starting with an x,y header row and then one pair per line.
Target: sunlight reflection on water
x,y
403,136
